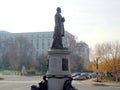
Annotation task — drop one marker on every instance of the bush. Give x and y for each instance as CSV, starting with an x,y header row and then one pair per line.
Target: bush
x,y
31,71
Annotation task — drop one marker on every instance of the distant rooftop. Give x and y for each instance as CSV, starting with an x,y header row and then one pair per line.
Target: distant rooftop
x,y
3,31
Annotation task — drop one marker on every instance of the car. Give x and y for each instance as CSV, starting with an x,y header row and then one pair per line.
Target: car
x,y
75,77
79,77
76,74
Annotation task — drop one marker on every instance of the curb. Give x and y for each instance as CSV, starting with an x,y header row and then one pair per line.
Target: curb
x,y
94,83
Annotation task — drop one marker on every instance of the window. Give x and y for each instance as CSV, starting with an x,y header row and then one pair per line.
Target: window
x,y
42,43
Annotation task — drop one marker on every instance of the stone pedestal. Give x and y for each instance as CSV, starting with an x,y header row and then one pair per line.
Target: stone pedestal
x,y
58,69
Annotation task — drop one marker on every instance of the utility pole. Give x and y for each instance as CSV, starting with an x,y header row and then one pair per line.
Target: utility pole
x,y
97,68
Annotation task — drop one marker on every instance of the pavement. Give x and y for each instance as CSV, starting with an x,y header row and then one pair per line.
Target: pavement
x,y
15,82
101,83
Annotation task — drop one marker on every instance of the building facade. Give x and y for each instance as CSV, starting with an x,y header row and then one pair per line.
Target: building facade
x,y
35,44
82,50
40,41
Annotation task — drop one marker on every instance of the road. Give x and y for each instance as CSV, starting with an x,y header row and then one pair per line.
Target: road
x,y
24,83
18,82
88,86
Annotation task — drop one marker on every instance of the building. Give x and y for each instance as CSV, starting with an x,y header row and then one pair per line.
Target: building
x,y
40,41
82,50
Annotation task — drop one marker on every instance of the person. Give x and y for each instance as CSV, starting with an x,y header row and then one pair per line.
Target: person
x,y
68,85
58,30
43,85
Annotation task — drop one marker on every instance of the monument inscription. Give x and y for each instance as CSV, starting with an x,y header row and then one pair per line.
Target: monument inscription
x,y
65,64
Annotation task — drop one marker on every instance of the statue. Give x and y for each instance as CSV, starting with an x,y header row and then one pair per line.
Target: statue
x,y
58,30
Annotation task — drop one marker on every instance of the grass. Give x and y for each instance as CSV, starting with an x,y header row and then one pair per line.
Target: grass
x,y
11,71
18,72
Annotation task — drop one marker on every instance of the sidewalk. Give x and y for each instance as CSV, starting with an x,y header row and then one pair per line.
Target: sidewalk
x,y
93,82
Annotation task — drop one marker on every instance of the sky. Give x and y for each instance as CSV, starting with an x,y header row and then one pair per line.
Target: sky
x,y
91,21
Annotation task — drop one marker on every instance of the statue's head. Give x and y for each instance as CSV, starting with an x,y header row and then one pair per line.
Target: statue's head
x,y
58,9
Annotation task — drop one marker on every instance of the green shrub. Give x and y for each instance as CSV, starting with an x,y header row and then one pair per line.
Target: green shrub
x,y
31,71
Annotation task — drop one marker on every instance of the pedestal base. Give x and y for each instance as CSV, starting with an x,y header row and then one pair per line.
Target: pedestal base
x,y
56,84
59,69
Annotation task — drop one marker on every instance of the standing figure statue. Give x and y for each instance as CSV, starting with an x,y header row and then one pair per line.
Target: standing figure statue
x,y
58,30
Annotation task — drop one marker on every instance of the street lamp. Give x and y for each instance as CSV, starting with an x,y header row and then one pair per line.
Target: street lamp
x,y
97,67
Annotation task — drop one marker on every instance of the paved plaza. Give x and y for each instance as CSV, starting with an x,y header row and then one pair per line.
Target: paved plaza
x,y
14,82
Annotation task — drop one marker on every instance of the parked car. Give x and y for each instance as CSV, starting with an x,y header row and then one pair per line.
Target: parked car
x,y
76,74
93,75
79,77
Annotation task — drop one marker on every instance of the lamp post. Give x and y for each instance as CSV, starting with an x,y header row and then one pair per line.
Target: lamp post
x,y
97,68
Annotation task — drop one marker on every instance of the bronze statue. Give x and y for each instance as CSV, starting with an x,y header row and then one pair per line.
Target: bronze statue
x,y
58,30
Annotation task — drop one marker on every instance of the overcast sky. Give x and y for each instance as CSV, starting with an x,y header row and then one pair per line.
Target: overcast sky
x,y
92,21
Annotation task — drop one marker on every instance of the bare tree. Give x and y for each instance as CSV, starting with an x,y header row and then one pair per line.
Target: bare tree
x,y
108,51
20,53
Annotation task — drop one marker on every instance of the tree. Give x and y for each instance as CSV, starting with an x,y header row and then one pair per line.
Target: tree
x,y
4,59
17,52
42,63
92,66
20,53
109,53
76,63
5,63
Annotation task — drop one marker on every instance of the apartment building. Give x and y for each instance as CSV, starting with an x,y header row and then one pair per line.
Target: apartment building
x,y
82,50
40,41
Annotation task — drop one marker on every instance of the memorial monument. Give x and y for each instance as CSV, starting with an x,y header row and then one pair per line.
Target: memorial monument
x,y
59,61
58,76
